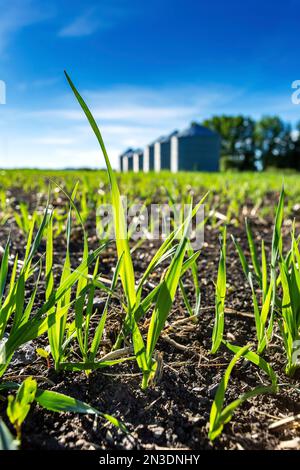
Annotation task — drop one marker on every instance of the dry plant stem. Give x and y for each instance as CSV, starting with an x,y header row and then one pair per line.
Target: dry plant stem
x,y
117,354
285,422
182,321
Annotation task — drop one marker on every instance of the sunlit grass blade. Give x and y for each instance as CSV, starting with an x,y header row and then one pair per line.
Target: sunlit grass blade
x,y
216,424
277,238
264,270
290,314
219,416
253,252
4,270
60,403
220,294
38,324
242,257
100,327
127,272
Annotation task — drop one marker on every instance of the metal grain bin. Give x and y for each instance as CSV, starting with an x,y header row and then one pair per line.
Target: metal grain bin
x,y
162,152
195,149
126,163
148,160
138,160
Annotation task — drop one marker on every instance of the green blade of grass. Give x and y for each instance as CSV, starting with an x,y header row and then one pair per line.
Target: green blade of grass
x,y
253,252
4,269
215,423
127,272
220,294
219,416
277,239
100,327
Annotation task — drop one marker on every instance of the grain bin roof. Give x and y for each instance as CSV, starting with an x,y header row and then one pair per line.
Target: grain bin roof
x,y
127,153
165,138
196,129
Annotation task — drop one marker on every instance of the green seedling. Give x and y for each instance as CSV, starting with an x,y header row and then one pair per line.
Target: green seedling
x,y
45,355
56,402
220,414
264,315
164,295
290,308
19,406
220,294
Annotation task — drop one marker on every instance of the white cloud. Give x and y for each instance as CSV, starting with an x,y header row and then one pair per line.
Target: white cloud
x,y
81,26
105,17
39,84
51,140
17,14
60,137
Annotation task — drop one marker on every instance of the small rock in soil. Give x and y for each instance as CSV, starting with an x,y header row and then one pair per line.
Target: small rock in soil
x,y
156,430
99,303
24,355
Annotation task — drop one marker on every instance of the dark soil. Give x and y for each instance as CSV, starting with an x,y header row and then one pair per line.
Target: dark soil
x,y
175,412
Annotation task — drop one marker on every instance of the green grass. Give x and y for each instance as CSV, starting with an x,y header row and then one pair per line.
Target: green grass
x,y
220,415
69,290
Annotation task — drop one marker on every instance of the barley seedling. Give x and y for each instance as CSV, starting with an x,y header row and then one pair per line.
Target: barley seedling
x,y
18,407
264,315
13,309
163,295
63,332
23,219
194,268
28,392
220,294
290,307
220,415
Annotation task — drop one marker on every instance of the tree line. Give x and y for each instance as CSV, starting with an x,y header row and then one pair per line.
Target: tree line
x,y
248,145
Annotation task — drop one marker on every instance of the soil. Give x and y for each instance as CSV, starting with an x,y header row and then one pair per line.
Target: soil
x,y
174,413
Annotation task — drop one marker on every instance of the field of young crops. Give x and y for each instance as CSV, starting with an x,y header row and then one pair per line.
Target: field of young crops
x,y
143,343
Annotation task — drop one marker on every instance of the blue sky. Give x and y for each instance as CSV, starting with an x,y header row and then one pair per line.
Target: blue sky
x,y
145,68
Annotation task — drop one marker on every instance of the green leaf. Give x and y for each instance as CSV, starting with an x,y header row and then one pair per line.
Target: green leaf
x,y
4,270
42,353
220,294
257,360
7,441
127,272
100,327
277,238
219,416
215,422
19,406
253,252
60,403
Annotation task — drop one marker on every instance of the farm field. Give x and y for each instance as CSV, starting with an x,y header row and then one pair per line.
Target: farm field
x,y
174,410
139,343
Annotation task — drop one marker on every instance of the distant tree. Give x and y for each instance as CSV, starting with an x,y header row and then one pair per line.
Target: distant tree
x,y
237,139
273,142
294,154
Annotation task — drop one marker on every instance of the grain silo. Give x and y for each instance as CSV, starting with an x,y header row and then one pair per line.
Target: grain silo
x,y
138,160
126,160
162,152
121,168
148,160
195,149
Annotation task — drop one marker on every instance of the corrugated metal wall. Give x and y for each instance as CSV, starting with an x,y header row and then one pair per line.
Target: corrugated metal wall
x,y
198,153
